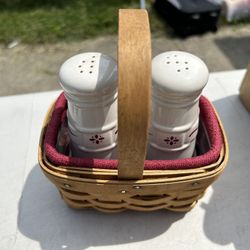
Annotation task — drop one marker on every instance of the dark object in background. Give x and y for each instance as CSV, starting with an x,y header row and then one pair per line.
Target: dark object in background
x,y
189,17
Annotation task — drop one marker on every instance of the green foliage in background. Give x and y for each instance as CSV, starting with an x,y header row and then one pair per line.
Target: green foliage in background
x,y
36,21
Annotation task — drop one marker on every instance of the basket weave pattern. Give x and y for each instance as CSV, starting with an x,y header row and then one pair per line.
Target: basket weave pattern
x,y
176,190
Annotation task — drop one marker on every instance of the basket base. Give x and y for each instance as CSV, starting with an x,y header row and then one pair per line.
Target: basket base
x,y
142,203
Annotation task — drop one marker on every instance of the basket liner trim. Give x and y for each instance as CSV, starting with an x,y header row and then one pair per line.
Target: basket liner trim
x,y
207,114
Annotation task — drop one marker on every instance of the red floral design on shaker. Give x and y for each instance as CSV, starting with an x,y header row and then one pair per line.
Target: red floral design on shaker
x,y
171,140
96,139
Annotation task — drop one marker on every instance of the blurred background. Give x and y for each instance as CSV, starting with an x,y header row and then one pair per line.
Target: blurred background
x,y
37,36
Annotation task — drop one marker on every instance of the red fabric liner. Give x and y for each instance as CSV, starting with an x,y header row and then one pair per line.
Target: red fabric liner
x,y
207,114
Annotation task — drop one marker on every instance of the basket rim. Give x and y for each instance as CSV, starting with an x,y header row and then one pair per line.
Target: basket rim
x,y
59,106
147,172
188,175
195,177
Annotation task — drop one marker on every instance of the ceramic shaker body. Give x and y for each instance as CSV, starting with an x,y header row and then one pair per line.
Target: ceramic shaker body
x,y
178,79
89,81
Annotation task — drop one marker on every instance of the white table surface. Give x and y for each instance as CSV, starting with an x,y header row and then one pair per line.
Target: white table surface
x,y
33,216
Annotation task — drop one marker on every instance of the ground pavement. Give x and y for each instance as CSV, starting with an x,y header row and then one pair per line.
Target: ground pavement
x,y
34,68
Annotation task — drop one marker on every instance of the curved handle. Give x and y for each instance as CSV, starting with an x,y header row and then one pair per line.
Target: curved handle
x,y
134,92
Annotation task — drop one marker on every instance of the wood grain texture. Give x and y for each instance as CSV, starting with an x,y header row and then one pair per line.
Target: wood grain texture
x,y
245,89
134,92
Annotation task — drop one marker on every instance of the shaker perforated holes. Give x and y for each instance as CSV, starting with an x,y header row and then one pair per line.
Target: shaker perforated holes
x,y
180,62
87,73
87,65
178,70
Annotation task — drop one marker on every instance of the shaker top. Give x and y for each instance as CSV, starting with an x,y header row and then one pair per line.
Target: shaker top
x,y
179,72
88,73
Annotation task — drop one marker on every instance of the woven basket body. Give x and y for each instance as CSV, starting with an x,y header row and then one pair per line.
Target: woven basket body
x,y
129,186
176,190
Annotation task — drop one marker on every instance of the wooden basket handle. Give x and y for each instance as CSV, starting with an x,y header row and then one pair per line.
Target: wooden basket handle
x,y
134,92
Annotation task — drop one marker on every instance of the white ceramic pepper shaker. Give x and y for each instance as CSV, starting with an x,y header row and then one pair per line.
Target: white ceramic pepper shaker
x,y
178,79
89,81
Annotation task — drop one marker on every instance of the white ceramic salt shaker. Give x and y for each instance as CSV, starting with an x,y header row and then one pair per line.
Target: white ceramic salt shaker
x,y
178,79
89,81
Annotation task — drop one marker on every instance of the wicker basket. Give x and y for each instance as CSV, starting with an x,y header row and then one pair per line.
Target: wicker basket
x,y
130,186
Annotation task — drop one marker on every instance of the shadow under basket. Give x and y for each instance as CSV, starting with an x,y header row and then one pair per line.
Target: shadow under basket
x,y
175,186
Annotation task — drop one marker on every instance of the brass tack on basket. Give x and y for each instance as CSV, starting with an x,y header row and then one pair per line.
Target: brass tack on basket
x,y
123,191
67,185
136,187
195,184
